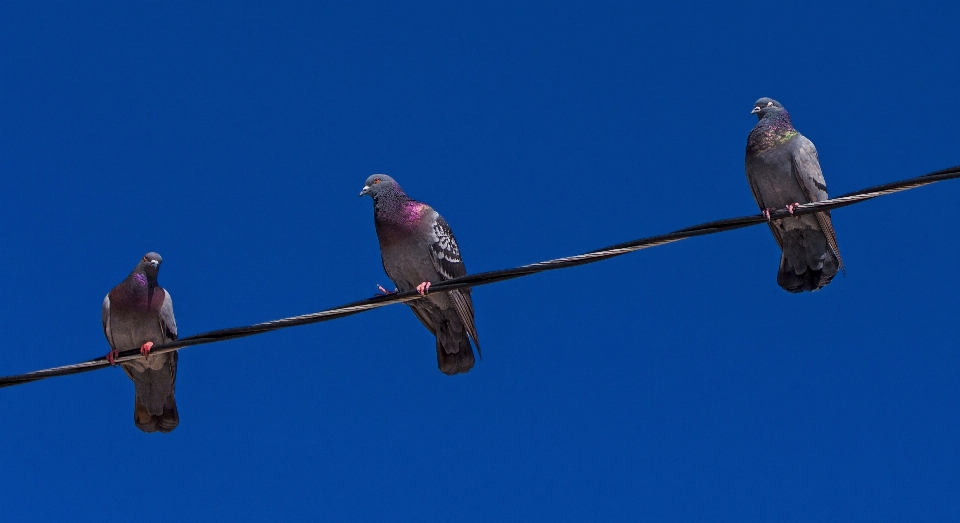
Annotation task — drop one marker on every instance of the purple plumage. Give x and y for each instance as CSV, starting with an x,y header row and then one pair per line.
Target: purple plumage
x,y
138,313
418,247
783,169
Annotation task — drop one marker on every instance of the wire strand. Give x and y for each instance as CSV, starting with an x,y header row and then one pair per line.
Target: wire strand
x,y
485,278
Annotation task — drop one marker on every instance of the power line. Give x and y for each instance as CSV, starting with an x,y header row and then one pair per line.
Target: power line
x,y
485,278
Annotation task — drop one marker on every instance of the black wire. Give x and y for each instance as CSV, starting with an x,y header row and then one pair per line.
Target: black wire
x,y
485,278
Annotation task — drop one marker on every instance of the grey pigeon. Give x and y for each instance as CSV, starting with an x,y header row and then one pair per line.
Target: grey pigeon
x,y
139,313
417,248
783,171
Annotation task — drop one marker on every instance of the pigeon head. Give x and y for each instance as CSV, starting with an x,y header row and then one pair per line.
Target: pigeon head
x,y
767,106
379,185
150,264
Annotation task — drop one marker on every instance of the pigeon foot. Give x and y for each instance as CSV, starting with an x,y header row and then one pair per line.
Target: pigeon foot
x,y
112,357
792,207
385,292
766,213
145,349
423,288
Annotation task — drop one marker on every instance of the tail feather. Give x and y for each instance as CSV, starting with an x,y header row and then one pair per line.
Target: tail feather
x,y
807,263
154,382
454,353
455,362
810,280
164,422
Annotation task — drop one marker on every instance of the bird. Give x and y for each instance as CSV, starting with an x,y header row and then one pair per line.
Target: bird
x,y
417,248
139,313
783,171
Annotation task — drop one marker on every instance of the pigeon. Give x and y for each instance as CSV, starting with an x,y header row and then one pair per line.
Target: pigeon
x,y
139,313
417,248
783,171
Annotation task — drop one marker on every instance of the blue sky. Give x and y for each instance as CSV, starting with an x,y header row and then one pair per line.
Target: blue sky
x,y
676,384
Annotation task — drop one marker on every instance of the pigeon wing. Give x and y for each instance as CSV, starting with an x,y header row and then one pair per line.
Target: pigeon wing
x,y
105,317
168,324
751,179
806,167
445,254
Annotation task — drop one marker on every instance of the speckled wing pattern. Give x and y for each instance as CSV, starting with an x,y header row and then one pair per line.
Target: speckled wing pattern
x,y
446,252
806,167
446,260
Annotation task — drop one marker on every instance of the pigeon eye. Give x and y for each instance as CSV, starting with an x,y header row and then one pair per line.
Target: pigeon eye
x,y
376,181
769,104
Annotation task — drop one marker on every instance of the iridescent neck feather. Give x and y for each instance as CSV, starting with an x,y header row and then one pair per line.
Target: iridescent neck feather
x,y
772,130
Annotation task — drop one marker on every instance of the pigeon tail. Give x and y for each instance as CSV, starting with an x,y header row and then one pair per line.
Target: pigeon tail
x,y
807,263
166,421
454,353
154,381
457,362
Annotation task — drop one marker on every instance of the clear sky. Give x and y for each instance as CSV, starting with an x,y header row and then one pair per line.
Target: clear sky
x,y
676,384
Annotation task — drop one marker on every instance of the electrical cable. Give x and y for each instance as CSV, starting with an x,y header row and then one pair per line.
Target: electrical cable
x,y
485,278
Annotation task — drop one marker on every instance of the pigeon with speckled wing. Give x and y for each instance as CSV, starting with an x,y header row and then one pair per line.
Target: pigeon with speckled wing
x,y
139,313
783,170
417,248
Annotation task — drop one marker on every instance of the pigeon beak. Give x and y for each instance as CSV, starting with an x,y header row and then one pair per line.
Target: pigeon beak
x,y
755,110
365,191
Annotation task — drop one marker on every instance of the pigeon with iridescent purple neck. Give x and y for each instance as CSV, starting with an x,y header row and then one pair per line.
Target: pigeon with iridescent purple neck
x,y
139,313
783,170
417,248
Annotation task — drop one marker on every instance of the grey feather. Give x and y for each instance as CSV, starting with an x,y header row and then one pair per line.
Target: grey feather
x,y
416,246
783,168
135,312
449,265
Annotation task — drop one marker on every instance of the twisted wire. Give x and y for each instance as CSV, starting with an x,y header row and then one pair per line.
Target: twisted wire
x,y
485,278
